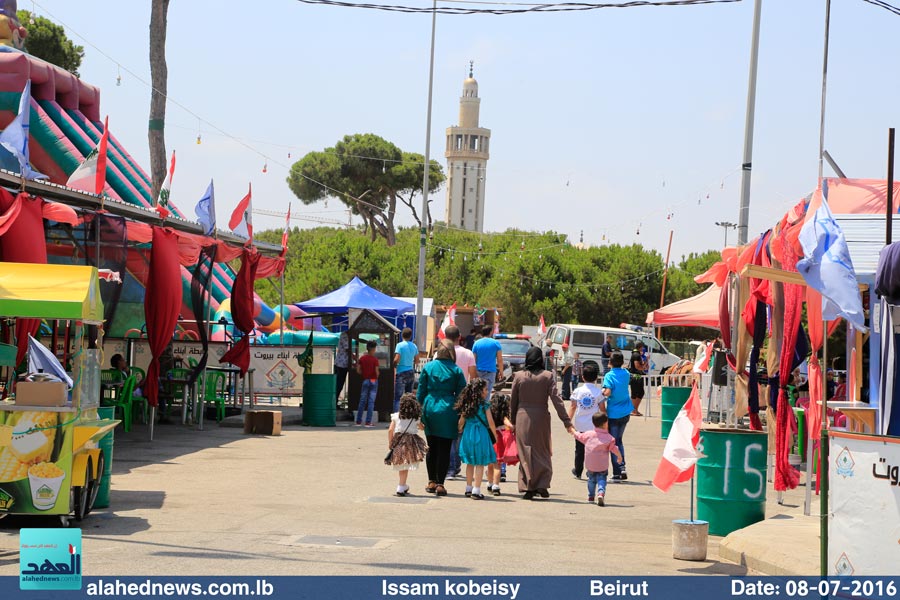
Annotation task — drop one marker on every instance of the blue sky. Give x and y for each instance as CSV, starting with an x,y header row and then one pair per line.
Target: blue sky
x,y
611,122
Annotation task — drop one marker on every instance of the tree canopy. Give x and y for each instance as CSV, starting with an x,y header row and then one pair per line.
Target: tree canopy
x,y
526,274
368,174
48,41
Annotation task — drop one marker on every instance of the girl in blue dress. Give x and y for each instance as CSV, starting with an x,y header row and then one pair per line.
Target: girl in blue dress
x,y
476,446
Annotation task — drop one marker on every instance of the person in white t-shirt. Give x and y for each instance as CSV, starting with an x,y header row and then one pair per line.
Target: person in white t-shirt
x,y
465,360
585,401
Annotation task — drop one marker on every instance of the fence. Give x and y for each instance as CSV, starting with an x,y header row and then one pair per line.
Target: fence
x,y
717,401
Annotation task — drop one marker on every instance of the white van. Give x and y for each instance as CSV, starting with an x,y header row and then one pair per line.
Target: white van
x,y
587,341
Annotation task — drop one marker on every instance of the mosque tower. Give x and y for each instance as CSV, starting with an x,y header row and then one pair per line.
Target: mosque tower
x,y
467,151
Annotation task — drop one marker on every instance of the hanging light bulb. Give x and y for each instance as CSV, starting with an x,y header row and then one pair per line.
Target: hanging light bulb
x,y
540,256
480,246
118,76
464,258
265,168
199,132
289,155
199,139
623,288
522,246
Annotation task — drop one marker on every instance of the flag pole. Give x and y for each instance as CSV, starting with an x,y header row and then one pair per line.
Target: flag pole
x,y
823,441
693,475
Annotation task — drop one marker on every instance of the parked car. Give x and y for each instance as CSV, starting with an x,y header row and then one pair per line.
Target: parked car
x,y
587,341
514,345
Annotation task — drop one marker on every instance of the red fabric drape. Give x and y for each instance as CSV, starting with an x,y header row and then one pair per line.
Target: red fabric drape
x,y
9,214
23,242
54,211
270,267
242,310
816,339
786,476
162,301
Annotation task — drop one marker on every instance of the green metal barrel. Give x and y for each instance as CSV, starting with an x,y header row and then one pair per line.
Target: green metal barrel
x,y
319,400
731,479
673,399
106,445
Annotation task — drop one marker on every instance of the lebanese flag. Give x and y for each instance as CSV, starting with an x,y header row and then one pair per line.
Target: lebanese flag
x,y
680,453
242,219
90,176
162,204
287,228
542,327
449,319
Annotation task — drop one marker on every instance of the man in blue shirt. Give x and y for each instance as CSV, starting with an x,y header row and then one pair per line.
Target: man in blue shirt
x,y
406,355
618,408
488,357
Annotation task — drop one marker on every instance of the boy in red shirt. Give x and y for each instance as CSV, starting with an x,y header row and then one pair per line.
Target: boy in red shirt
x,y
367,367
597,446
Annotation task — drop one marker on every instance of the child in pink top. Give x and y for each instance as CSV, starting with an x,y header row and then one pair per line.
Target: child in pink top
x,y
597,446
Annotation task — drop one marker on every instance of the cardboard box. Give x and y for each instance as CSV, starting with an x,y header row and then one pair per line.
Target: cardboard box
x,y
262,422
43,393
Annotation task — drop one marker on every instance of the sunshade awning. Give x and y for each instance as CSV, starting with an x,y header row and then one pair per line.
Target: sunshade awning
x,y
701,310
357,294
38,291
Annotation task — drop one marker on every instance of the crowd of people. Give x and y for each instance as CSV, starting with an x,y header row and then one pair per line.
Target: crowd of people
x,y
454,419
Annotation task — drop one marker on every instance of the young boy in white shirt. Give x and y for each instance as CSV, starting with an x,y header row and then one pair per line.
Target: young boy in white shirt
x,y
585,401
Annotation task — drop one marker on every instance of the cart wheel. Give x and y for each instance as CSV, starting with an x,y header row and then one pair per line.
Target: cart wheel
x,y
94,486
64,520
80,495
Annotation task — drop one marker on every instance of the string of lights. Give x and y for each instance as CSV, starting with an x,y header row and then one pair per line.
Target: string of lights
x,y
515,8
593,286
480,252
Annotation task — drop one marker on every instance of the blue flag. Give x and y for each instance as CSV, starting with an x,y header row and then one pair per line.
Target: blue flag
x,y
206,210
42,360
826,265
14,138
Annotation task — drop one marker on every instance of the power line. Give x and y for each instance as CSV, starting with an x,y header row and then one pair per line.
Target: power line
x,y
520,8
888,7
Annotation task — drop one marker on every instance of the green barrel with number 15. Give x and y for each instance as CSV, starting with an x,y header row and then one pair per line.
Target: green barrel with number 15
x,y
731,479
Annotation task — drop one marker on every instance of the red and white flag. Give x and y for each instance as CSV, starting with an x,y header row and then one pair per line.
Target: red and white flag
x,y
449,319
90,176
162,203
242,218
542,327
287,228
680,453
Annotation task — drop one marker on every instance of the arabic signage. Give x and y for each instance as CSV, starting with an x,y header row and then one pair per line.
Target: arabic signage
x,y
50,559
276,373
864,520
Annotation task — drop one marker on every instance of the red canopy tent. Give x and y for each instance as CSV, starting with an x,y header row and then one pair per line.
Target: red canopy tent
x,y
701,310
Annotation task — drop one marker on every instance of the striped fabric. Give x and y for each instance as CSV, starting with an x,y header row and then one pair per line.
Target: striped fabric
x,y
890,417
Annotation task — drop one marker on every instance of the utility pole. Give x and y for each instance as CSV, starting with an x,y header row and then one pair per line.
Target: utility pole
x,y
726,225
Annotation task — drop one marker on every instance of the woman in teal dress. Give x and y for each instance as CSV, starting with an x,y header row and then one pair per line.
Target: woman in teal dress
x,y
440,382
476,448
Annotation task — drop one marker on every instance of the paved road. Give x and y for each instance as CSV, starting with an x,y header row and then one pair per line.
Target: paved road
x,y
319,502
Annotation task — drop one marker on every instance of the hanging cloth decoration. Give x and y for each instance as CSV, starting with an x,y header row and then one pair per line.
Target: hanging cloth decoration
x,y
242,310
162,301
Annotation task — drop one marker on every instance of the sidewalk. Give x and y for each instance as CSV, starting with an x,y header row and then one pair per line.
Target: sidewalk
x,y
319,501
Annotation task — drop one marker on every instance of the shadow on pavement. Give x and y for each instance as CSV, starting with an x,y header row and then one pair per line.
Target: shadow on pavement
x,y
714,567
413,567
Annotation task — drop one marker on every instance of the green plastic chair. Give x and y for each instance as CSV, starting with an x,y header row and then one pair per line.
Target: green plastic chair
x,y
192,362
214,392
123,402
108,377
176,390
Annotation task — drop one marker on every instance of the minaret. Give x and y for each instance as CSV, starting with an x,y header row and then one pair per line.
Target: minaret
x,y
467,151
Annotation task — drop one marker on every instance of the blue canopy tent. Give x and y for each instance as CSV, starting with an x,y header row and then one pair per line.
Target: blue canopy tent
x,y
357,294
